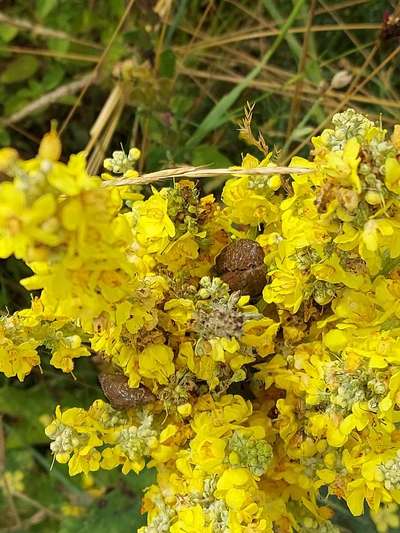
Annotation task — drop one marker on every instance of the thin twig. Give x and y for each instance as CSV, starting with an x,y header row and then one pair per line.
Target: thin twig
x,y
104,116
285,88
36,504
26,524
97,67
247,35
355,87
38,29
49,53
201,172
97,157
295,105
49,98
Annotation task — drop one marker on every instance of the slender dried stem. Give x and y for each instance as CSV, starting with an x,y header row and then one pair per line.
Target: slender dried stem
x,y
38,29
201,172
97,67
48,99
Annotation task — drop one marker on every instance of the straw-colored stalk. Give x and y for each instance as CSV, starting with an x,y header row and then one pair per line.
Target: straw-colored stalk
x,y
202,172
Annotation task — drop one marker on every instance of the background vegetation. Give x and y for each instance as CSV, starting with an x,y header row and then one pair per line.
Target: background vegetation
x,y
171,78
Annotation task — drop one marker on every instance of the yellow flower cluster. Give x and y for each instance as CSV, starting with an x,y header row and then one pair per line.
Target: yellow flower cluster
x,y
124,438
250,346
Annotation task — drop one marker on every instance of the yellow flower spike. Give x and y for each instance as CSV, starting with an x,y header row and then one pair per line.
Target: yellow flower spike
x,y
120,274
50,146
8,156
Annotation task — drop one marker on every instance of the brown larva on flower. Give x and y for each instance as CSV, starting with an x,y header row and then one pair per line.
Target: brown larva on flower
x,y
241,266
120,395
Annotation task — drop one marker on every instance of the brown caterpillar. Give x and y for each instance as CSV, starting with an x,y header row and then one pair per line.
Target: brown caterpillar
x,y
120,395
241,266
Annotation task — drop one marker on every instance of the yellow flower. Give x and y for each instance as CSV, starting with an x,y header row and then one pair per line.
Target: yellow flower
x,y
156,362
234,486
386,517
23,223
332,271
72,510
370,235
180,310
84,462
18,359
67,350
392,174
191,520
154,228
8,156
208,452
260,334
12,481
180,252
246,196
287,286
342,165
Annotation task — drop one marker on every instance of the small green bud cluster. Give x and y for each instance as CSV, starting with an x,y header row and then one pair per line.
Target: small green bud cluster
x,y
323,292
306,257
391,472
213,288
218,515
120,162
347,125
183,205
135,441
345,389
66,439
251,453
112,418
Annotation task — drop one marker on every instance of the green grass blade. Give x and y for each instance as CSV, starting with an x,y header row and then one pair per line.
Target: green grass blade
x,y
217,116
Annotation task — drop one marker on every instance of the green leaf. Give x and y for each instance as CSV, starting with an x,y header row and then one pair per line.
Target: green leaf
x,y
344,518
7,33
167,64
180,104
58,45
207,154
27,406
53,77
117,512
4,137
44,7
22,68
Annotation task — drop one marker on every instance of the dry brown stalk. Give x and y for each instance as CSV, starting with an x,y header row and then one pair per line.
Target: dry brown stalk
x,y
38,29
247,35
202,172
286,88
50,53
98,65
355,87
298,89
47,99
